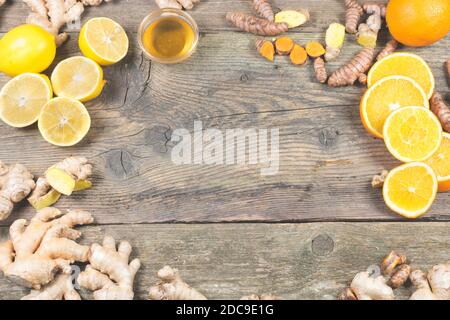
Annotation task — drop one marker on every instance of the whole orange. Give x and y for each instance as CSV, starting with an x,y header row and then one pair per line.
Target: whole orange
x,y
418,23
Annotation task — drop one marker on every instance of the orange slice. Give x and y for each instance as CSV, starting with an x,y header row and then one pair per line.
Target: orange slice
x,y
404,64
440,163
387,95
410,189
412,134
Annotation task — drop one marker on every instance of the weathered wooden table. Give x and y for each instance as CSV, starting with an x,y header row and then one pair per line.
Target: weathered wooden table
x,y
308,229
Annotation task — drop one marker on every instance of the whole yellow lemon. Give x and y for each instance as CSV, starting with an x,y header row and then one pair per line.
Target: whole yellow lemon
x,y
26,48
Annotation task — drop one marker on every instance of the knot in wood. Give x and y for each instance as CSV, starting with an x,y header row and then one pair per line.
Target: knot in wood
x,y
120,164
328,137
322,245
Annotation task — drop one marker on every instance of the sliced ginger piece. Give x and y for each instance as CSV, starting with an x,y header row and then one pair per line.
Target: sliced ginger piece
x,y
298,55
43,195
315,49
284,45
334,40
60,180
293,18
82,184
265,49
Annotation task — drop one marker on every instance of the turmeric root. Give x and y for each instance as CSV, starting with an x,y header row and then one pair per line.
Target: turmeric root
x,y
378,180
320,70
352,15
448,68
265,49
390,47
252,24
109,274
432,286
16,183
394,266
172,287
37,251
441,110
264,9
399,276
391,262
315,49
348,74
334,40
293,18
261,297
284,45
52,15
298,55
362,78
60,288
176,4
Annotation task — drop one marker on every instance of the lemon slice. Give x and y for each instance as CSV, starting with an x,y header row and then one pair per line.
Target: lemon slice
x,y
410,189
103,40
78,78
412,133
64,122
23,97
403,64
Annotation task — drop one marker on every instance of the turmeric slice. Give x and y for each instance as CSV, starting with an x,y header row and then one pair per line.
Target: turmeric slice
x,y
284,45
298,55
265,49
315,49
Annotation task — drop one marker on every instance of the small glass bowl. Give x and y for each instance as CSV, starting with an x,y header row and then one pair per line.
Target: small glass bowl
x,y
167,12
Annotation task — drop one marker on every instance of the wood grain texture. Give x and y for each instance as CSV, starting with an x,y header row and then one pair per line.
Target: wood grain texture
x,y
295,261
326,157
209,14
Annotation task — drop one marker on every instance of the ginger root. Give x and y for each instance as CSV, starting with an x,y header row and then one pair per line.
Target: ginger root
x,y
284,45
352,15
109,274
320,70
52,15
298,55
432,286
38,250
261,297
265,49
293,18
390,47
69,175
16,183
252,24
2,2
441,110
264,9
367,287
172,287
334,40
348,74
60,288
368,32
378,180
177,4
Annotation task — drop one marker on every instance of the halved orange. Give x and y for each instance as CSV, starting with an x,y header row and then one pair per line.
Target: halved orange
x,y
412,134
387,95
410,189
404,64
440,163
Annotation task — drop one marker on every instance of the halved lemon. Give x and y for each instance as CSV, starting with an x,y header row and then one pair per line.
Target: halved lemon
x,y
78,78
412,134
64,122
410,189
387,95
22,98
440,163
103,40
404,64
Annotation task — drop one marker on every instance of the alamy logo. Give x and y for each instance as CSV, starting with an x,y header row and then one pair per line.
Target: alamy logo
x,y
232,147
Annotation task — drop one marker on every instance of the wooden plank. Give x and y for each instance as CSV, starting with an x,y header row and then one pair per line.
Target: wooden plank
x,y
209,14
295,261
326,157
